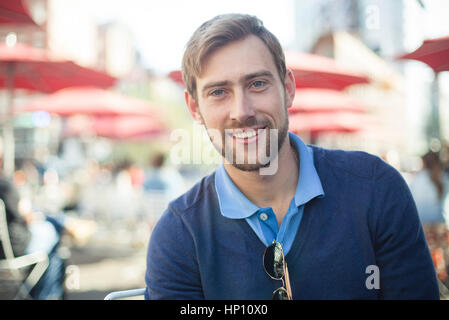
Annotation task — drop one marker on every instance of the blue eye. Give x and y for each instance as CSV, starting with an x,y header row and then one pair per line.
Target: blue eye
x,y
258,84
217,92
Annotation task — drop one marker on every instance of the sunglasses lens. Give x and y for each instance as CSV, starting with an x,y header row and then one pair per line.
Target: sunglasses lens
x,y
273,261
280,294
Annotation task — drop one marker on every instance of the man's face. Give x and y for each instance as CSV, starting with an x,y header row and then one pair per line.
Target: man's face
x,y
242,101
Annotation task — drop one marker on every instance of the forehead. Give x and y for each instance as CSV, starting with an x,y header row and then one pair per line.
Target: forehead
x,y
235,60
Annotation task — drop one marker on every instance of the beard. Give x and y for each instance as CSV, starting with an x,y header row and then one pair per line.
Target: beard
x,y
258,155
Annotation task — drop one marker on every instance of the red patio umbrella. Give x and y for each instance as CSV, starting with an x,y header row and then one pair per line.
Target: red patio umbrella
x,y
128,127
32,68
121,127
434,53
311,71
176,76
324,100
89,101
26,67
314,71
14,12
317,123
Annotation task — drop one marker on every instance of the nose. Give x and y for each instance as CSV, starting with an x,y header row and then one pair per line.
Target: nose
x,y
242,107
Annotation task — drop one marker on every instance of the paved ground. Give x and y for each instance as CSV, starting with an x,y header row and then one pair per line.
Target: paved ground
x,y
113,260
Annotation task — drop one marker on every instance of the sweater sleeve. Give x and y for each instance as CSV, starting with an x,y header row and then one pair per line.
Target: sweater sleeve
x,y
172,269
402,255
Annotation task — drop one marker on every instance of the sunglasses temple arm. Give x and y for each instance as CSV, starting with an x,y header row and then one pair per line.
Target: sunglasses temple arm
x,y
287,282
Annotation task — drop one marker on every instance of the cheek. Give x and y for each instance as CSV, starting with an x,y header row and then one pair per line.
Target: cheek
x,y
214,113
271,100
213,119
273,106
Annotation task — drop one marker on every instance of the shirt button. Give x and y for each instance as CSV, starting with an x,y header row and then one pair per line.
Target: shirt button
x,y
263,216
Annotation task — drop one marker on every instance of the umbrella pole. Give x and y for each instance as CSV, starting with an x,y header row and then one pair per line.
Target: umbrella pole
x,y
435,132
8,127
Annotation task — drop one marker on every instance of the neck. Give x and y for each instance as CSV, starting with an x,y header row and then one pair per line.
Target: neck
x,y
270,190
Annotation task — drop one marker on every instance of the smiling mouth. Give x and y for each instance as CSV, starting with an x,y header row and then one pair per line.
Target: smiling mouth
x,y
245,133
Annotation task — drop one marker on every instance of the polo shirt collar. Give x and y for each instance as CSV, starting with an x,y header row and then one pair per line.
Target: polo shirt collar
x,y
234,204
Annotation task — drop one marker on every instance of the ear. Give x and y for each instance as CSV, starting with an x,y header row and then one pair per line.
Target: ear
x,y
193,107
290,87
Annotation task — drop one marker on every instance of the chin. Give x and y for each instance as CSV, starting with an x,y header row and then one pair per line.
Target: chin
x,y
250,167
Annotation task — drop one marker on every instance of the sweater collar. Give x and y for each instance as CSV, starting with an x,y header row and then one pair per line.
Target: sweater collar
x,y
235,205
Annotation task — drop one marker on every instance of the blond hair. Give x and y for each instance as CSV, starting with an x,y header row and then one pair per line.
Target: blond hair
x,y
220,31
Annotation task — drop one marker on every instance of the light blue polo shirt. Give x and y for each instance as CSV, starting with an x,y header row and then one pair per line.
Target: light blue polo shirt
x,y
234,204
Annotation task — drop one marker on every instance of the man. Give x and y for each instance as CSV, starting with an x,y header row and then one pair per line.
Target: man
x,y
344,221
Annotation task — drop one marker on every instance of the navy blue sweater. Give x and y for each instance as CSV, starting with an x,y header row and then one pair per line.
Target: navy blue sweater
x,y
366,218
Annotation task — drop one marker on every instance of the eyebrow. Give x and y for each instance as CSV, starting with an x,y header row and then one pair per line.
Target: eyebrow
x,y
264,73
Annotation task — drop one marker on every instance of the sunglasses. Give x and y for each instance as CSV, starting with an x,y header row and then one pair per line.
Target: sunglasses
x,y
276,267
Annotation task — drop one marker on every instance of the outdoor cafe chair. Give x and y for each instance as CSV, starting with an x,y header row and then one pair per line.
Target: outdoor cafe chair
x,y
125,294
26,269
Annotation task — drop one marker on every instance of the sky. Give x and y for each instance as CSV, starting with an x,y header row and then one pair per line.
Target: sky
x,y
162,28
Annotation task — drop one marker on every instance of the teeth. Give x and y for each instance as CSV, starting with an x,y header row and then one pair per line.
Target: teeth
x,y
245,135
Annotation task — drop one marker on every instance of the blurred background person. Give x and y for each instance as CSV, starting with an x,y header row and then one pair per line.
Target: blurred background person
x,y
162,184
430,189
162,178
32,231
